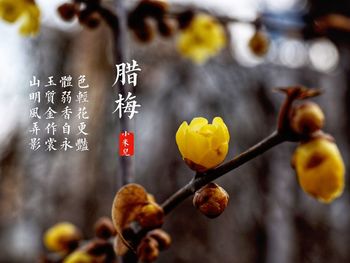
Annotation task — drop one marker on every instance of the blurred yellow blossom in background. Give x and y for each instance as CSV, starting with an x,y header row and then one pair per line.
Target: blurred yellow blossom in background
x,y
78,257
203,146
202,39
25,11
320,169
61,237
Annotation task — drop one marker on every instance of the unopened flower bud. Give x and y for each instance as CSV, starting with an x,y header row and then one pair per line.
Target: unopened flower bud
x,y
99,247
62,237
211,200
104,228
152,8
67,11
320,168
162,237
148,250
144,32
307,118
259,44
185,18
151,216
165,28
89,19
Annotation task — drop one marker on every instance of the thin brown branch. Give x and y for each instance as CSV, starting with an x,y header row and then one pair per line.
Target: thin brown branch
x,y
202,179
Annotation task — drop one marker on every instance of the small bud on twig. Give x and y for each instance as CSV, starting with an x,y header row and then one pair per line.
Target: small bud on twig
x,y
151,216
162,237
148,250
104,228
307,118
211,200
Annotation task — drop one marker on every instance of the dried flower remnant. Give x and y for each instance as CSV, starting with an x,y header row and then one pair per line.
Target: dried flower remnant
x,y
132,205
320,168
202,39
211,200
203,146
25,11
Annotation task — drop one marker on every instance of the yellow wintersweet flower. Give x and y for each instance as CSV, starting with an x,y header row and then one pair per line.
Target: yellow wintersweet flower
x,y
61,237
78,257
24,10
320,169
203,146
202,39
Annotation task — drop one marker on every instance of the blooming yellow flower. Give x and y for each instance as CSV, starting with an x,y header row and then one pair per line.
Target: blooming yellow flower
x,y
61,236
203,146
202,39
320,169
24,10
78,257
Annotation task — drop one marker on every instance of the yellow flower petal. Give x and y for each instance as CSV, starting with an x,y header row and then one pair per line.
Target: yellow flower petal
x,y
10,11
197,123
26,11
219,123
181,138
197,146
31,21
214,157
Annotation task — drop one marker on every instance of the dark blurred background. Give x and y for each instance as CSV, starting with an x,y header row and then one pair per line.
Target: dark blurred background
x,y
269,218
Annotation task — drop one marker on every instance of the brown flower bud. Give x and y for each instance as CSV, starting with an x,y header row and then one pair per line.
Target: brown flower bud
x,y
99,247
211,200
90,19
144,31
307,118
151,216
185,19
259,44
67,11
152,8
162,237
148,250
104,228
165,27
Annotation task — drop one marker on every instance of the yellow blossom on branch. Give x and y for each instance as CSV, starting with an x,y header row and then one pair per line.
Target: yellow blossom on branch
x,y
203,146
24,11
320,169
202,39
